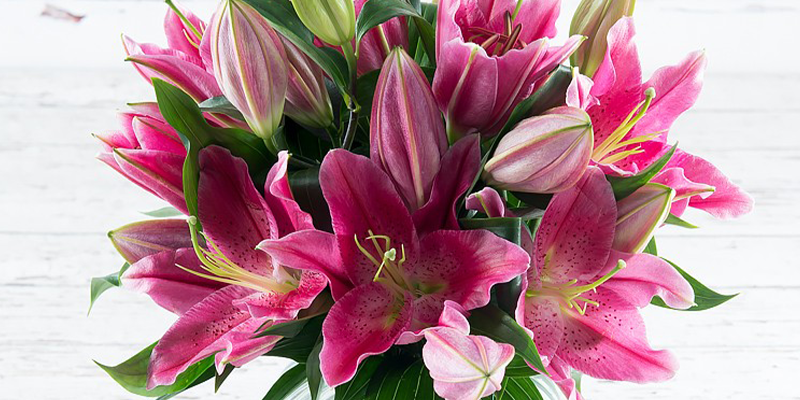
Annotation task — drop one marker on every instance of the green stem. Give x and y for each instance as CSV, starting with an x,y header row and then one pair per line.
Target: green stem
x,y
352,123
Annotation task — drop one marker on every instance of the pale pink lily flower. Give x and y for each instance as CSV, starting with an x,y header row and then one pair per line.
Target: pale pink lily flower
x,y
250,65
235,218
489,56
307,100
463,367
148,152
633,118
581,297
184,31
407,137
389,279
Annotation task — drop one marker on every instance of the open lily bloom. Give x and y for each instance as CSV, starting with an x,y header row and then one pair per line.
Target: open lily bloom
x,y
632,120
582,297
489,55
235,218
148,152
389,281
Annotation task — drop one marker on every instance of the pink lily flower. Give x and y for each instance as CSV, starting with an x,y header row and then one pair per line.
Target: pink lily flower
x,y
256,290
632,120
489,56
463,367
389,281
407,138
184,31
581,298
148,152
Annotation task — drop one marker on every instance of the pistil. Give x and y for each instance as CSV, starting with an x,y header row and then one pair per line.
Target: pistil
x,y
606,152
389,270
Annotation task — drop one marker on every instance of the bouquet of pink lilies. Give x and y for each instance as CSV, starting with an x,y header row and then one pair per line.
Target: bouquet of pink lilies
x,y
409,200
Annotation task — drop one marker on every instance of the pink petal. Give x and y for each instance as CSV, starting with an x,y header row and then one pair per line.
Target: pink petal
x,y
211,325
489,202
460,166
677,88
542,315
280,306
462,266
232,212
579,92
620,69
538,18
560,374
371,52
639,214
684,188
141,239
169,286
646,276
575,236
159,172
452,316
366,321
280,200
177,31
153,134
362,199
728,200
314,251
609,342
465,367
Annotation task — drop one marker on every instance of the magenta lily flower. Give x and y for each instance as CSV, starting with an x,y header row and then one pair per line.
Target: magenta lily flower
x,y
256,290
633,118
489,56
463,367
389,281
407,137
148,152
582,297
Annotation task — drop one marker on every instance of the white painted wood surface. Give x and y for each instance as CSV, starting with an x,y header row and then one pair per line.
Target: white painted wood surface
x,y
59,82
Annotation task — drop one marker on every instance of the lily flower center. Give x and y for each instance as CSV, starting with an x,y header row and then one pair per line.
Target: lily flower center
x,y
570,294
498,43
608,152
220,268
389,269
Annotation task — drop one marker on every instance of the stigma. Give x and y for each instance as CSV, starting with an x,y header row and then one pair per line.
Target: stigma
x,y
389,268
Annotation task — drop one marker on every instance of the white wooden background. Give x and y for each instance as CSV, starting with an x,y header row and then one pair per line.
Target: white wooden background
x,y
59,82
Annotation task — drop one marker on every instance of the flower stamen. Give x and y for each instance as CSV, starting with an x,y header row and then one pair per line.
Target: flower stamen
x,y
572,295
604,152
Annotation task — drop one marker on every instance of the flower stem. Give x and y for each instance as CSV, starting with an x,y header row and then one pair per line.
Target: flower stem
x,y
352,123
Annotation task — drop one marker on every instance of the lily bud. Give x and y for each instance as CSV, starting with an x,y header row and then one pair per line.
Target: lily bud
x,y
407,135
639,214
148,152
333,21
593,19
307,100
141,239
249,64
543,154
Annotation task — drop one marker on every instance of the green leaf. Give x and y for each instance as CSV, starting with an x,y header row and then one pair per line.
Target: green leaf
x,y
219,379
308,194
550,95
164,212
494,323
624,186
282,17
518,388
400,380
102,283
286,329
651,247
376,12
357,387
299,347
221,105
132,374
672,219
704,297
508,228
313,373
365,90
518,367
287,383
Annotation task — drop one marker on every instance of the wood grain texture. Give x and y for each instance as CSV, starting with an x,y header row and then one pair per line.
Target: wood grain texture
x,y
59,82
